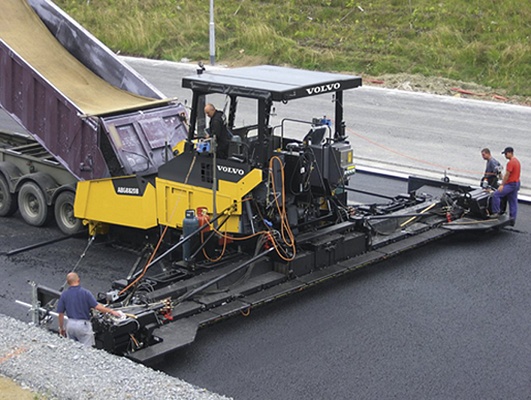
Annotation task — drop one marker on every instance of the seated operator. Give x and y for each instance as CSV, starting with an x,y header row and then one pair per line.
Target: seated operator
x,y
218,128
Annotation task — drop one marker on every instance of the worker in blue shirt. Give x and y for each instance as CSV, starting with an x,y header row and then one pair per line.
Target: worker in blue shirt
x,y
492,170
77,302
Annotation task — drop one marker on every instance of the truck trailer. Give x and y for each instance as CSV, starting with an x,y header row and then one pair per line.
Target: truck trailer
x,y
86,113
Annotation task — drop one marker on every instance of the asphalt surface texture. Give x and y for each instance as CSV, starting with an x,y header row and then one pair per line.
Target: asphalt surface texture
x,y
450,320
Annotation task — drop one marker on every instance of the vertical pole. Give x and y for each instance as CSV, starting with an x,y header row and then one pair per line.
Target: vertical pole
x,y
262,155
339,123
214,148
212,35
35,304
200,115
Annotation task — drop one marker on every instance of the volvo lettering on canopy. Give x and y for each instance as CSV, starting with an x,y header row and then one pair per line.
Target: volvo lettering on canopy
x,y
324,88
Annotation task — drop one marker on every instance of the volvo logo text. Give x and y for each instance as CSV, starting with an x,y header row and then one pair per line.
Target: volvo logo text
x,y
231,170
324,88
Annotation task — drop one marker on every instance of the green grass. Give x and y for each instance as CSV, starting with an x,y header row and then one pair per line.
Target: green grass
x,y
483,41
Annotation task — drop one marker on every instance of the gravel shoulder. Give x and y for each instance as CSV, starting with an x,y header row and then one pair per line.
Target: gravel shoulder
x,y
57,368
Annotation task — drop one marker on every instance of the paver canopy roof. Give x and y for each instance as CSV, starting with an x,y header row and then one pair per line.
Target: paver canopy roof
x,y
278,83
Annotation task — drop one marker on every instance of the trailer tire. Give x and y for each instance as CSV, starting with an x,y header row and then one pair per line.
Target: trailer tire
x,y
64,214
32,204
8,201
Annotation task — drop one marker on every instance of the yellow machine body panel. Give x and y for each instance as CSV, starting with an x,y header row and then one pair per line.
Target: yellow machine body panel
x,y
136,203
102,200
179,147
174,198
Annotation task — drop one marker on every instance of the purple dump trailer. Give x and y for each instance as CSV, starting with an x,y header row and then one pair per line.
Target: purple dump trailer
x,y
90,115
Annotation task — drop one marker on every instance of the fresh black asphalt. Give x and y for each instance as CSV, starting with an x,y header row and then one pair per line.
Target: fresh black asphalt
x,y
450,320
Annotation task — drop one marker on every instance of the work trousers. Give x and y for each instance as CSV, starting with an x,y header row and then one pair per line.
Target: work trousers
x,y
510,192
81,331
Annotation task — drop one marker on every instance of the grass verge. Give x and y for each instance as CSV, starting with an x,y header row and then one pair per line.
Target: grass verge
x,y
483,41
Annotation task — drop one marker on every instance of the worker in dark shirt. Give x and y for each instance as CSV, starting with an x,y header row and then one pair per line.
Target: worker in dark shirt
x,y
77,302
492,169
218,128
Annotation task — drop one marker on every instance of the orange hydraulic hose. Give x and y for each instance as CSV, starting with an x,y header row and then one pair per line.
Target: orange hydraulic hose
x,y
147,263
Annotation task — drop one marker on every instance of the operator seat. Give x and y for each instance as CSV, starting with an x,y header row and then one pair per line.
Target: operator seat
x,y
316,135
237,149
